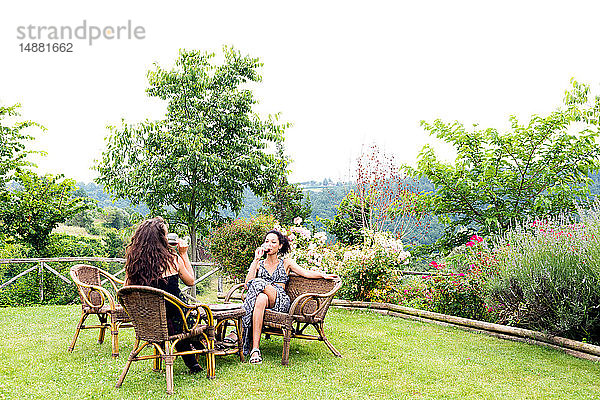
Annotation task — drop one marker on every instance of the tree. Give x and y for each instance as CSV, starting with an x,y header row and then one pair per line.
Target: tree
x,y
195,163
13,152
535,169
390,200
347,224
37,206
285,201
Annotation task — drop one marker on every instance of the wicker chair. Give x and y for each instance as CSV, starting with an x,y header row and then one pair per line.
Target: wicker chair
x,y
147,308
310,299
97,300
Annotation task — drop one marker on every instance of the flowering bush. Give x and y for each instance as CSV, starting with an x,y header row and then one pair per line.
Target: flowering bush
x,y
233,244
444,291
461,295
548,277
368,267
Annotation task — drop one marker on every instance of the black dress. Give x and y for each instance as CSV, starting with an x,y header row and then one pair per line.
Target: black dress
x,y
170,284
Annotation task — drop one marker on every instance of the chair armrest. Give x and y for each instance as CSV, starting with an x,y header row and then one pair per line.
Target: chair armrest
x,y
233,290
191,310
104,295
321,299
112,279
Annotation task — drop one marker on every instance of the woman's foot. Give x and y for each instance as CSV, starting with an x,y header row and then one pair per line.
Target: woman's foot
x,y
196,368
231,340
255,357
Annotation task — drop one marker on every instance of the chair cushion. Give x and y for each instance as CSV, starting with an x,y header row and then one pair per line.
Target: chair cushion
x,y
118,314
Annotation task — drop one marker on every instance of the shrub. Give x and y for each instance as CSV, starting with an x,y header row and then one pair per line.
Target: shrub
x,y
26,290
446,292
548,277
311,250
233,244
347,224
461,295
369,266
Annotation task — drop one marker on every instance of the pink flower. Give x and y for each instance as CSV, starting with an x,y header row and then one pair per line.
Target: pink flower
x,y
433,264
477,239
470,244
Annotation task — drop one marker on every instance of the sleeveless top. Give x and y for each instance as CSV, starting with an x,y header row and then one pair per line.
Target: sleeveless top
x,y
170,284
278,276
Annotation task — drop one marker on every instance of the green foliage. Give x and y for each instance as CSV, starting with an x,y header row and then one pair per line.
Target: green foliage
x,y
84,219
462,295
286,201
370,266
37,206
362,276
194,164
115,218
25,290
346,225
233,244
536,169
115,242
13,152
63,245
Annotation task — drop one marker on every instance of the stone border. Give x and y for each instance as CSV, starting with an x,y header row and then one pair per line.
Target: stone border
x,y
578,349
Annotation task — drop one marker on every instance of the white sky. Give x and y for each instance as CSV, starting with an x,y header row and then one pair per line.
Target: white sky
x,y
344,73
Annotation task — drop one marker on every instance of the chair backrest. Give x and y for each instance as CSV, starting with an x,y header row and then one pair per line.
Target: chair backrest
x,y
89,275
299,285
146,307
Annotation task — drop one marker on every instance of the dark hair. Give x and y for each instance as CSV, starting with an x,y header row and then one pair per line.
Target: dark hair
x,y
283,240
148,255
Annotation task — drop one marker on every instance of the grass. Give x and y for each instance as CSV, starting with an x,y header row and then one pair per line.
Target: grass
x,y
384,357
73,230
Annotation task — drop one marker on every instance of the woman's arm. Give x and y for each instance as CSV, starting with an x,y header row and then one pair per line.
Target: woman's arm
x,y
184,266
307,273
254,265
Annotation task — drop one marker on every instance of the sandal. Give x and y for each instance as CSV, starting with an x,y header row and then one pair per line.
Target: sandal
x,y
230,341
255,357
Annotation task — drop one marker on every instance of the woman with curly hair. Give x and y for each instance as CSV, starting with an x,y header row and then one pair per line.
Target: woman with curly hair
x,y
150,261
265,283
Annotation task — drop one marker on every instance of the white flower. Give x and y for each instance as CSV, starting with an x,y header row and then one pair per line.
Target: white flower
x,y
297,220
321,237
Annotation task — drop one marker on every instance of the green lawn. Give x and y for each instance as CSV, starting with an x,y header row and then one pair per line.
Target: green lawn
x,y
384,357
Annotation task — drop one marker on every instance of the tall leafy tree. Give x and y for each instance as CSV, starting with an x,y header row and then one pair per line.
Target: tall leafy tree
x,y
347,224
285,201
13,138
37,205
195,163
14,135
537,168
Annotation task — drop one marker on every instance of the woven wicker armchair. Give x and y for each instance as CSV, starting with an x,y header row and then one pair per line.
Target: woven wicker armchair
x,y
310,299
97,300
147,308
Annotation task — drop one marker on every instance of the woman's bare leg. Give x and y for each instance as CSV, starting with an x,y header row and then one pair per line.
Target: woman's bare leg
x,y
263,300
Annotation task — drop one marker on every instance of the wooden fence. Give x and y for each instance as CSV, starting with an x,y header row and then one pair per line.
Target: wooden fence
x,y
43,267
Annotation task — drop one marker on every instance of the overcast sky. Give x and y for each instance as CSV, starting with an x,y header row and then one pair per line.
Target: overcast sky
x,y
346,74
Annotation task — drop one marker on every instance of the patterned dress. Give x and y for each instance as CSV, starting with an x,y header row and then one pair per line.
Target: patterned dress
x,y
257,286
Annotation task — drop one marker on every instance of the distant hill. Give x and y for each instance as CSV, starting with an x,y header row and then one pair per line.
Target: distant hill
x,y
324,198
97,192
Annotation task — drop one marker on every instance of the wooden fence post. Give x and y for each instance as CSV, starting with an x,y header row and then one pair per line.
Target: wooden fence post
x,y
41,272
